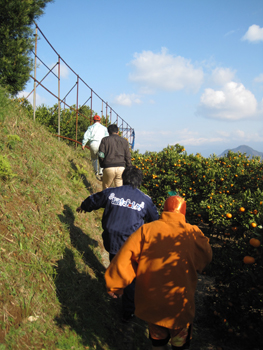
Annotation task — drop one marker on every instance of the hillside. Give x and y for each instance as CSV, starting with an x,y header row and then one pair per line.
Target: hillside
x,y
243,149
52,259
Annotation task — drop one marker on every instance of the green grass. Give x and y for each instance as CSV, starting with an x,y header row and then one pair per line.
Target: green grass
x,y
52,260
52,272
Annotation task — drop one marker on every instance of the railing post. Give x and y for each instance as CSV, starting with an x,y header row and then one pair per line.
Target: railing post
x,y
77,113
112,118
35,76
91,107
59,97
106,112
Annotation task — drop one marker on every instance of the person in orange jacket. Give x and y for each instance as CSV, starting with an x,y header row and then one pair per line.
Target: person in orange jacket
x,y
164,256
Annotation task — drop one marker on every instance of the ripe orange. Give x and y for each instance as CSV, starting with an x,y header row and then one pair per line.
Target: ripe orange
x,y
254,242
229,215
248,260
242,209
253,224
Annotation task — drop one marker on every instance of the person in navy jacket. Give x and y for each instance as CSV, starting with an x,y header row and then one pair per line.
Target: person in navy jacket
x,y
126,209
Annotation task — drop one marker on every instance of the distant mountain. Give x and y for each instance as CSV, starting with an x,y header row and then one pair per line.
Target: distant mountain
x,y
243,149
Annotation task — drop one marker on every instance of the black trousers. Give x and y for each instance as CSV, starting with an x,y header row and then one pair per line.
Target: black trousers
x,y
128,306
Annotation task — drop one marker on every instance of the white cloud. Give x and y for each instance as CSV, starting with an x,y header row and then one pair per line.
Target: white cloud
x,y
196,140
164,71
212,98
39,99
246,137
230,32
259,79
185,137
254,33
223,133
127,99
240,134
221,76
188,137
232,102
64,71
199,141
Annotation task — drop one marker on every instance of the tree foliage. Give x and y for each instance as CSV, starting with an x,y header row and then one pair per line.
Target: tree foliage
x,y
224,198
17,40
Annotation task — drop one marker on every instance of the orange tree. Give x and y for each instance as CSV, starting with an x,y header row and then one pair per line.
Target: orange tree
x,y
224,198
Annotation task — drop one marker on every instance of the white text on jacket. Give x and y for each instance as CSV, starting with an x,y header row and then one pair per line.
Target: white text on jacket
x,y
125,203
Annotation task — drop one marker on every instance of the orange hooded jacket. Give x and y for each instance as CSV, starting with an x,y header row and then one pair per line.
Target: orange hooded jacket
x,y
164,256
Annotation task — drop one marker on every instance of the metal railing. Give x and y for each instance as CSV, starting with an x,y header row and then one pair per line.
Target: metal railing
x,y
88,94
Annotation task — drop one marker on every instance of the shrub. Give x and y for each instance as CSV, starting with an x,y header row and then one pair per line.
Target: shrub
x,y
5,169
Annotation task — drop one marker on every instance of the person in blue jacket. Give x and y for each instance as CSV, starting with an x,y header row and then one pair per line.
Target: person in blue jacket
x,y
126,209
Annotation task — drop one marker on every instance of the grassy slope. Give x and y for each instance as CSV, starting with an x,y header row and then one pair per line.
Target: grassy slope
x,y
51,282
52,261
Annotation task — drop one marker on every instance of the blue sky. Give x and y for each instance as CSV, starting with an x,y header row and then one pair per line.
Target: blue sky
x,y
177,71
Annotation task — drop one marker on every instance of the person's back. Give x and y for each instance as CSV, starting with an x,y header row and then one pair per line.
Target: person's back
x,y
165,257
93,137
116,151
125,209
96,132
172,253
114,157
